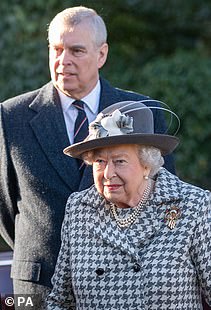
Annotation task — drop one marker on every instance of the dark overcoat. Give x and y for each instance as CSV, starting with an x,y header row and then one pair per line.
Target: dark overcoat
x,y
36,179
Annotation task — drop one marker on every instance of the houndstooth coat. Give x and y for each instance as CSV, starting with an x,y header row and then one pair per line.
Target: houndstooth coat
x,y
147,266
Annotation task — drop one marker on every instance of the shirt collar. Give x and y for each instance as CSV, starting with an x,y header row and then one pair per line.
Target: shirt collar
x,y
92,99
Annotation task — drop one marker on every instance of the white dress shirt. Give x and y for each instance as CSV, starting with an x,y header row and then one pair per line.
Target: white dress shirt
x,y
70,112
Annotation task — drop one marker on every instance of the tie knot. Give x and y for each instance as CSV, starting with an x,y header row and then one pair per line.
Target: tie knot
x,y
79,104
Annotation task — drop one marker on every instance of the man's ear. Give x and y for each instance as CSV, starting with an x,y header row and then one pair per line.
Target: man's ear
x,y
103,53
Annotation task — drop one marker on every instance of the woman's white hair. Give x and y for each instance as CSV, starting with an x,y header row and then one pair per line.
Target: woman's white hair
x,y
73,16
149,156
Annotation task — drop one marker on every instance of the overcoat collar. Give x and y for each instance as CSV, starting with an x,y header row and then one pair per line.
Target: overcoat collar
x,y
50,130
109,95
166,193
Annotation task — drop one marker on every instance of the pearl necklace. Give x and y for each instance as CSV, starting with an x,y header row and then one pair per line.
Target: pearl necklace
x,y
125,222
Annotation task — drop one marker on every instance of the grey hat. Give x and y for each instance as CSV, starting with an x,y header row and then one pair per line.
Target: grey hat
x,y
127,122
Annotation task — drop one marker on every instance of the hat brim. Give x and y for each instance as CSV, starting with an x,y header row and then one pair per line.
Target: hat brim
x,y
165,143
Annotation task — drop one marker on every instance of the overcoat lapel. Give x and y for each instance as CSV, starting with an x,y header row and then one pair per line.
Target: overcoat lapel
x,y
50,130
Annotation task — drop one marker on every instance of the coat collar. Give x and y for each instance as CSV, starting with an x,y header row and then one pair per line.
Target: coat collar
x,y
50,130
167,192
109,95
167,187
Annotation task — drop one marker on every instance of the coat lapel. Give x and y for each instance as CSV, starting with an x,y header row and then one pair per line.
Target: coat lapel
x,y
102,225
50,130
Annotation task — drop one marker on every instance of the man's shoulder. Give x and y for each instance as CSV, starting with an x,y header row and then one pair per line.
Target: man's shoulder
x,y
131,95
121,94
22,99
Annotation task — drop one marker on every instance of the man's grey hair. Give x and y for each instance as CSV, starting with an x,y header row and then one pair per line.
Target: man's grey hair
x,y
71,17
149,156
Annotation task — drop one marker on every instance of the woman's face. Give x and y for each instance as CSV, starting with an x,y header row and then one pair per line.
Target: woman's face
x,y
119,175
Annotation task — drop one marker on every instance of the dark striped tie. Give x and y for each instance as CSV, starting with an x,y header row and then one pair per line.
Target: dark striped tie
x,y
81,127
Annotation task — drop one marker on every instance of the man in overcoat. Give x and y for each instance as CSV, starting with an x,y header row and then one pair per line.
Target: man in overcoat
x,y
36,178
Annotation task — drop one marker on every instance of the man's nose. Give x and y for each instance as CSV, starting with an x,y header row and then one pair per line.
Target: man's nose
x,y
65,57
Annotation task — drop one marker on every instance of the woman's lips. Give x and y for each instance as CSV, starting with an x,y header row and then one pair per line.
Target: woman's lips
x,y
113,187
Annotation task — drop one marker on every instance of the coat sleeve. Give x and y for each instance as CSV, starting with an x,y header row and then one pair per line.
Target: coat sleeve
x,y
61,296
201,247
8,188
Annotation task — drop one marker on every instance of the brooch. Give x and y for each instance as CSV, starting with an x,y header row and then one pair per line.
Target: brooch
x,y
171,216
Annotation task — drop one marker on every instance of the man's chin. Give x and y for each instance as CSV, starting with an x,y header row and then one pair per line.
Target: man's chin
x,y
69,91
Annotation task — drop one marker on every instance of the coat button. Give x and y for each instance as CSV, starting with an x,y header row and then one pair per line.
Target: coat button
x,y
100,271
136,267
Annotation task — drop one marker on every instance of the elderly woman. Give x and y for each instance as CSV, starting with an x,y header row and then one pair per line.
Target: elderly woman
x,y
139,238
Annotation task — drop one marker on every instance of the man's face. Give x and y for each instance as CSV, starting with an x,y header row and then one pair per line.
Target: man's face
x,y
75,60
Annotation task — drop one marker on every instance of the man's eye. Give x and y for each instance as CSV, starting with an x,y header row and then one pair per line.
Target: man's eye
x,y
78,52
57,49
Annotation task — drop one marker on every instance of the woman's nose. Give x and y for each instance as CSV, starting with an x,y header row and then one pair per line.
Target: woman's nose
x,y
109,171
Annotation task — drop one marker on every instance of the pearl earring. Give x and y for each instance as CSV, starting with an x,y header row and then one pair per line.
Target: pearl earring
x,y
146,177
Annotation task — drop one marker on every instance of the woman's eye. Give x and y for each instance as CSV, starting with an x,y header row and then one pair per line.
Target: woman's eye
x,y
120,161
99,161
